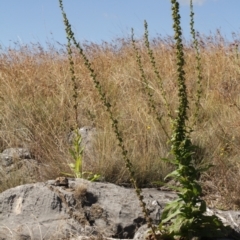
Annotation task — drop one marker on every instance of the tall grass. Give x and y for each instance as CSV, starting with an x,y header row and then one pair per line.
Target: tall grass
x,y
36,109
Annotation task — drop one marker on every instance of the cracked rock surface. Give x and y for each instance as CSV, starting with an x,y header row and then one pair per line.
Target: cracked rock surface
x,y
45,211
82,208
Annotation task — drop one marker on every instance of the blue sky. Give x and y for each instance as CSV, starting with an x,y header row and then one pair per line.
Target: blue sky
x,y
32,21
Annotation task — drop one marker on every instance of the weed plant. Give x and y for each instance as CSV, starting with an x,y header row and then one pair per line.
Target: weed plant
x,y
76,150
114,121
184,217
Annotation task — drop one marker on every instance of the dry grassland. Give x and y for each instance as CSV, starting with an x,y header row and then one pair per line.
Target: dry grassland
x,y
36,110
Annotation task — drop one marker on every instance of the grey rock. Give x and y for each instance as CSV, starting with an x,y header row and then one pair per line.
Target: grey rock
x,y
10,155
17,167
33,211
44,211
82,210
87,133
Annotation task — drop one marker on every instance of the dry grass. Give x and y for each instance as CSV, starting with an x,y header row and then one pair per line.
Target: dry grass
x,y
36,110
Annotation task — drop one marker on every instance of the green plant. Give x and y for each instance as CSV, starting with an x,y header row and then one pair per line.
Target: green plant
x,y
199,65
115,126
148,91
184,217
76,150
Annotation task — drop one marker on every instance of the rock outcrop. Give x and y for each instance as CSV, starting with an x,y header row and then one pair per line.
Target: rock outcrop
x,y
45,211
17,164
78,208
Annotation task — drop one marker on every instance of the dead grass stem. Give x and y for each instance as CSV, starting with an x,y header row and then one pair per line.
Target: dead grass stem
x,y
36,108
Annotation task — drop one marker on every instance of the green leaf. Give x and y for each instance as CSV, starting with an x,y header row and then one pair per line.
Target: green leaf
x,y
196,188
173,161
174,174
181,225
171,210
71,165
72,152
94,178
170,216
78,164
